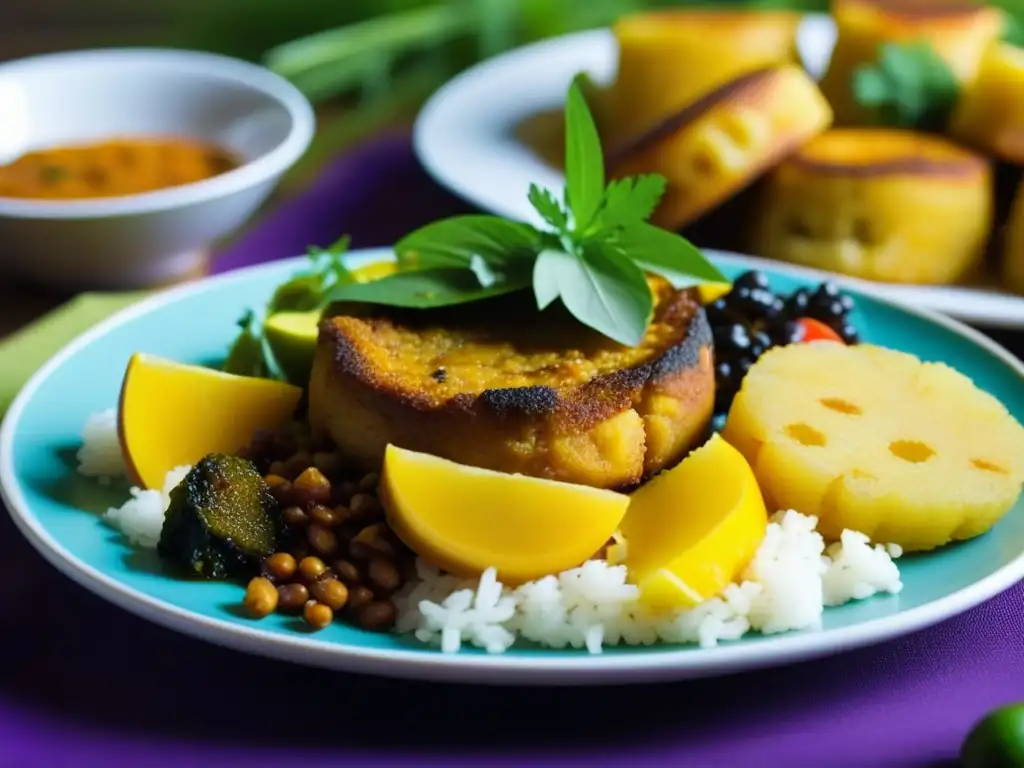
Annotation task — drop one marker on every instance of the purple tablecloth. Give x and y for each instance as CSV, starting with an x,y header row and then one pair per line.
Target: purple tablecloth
x,y
85,684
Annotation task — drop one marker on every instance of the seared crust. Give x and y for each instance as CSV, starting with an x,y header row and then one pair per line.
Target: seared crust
x,y
532,393
861,152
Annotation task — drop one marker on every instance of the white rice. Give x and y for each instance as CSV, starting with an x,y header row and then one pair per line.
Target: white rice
x,y
100,455
141,518
786,586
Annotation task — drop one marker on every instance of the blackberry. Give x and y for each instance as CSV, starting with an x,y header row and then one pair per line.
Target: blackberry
x,y
752,279
731,338
761,342
751,319
718,313
755,303
786,332
826,292
723,374
849,333
797,303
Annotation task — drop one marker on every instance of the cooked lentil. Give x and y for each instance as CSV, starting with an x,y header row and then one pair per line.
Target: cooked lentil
x,y
325,516
260,597
331,515
317,615
378,616
291,597
295,517
331,593
348,572
358,598
311,568
384,576
281,566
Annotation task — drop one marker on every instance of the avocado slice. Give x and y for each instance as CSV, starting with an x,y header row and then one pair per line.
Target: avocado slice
x,y
291,337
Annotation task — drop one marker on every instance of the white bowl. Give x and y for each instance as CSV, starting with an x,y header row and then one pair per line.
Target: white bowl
x,y
146,239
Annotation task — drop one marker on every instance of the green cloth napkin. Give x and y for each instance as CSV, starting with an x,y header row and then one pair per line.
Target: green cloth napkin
x,y
22,353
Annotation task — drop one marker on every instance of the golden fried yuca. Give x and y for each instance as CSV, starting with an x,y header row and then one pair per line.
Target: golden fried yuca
x,y
879,204
500,386
722,142
874,440
957,30
670,58
990,112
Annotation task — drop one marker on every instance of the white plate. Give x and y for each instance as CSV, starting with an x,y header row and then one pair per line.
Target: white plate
x,y
464,137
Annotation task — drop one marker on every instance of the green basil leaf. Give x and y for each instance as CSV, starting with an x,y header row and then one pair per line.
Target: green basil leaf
x,y
484,274
428,288
454,241
632,199
602,289
545,281
547,205
584,160
667,254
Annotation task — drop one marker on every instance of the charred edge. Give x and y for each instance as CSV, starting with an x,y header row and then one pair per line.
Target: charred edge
x,y
686,354
520,401
963,168
346,357
741,85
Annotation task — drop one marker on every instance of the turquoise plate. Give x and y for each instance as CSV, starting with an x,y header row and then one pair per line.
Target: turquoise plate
x,y
58,510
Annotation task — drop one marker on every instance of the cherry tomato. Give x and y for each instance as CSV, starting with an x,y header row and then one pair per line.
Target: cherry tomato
x,y
815,330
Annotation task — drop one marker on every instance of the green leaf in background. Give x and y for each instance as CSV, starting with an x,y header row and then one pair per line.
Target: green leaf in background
x,y
1013,30
359,54
667,254
428,288
631,200
584,160
547,205
453,242
909,86
601,288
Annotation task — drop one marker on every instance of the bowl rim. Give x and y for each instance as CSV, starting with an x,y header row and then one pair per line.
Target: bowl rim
x,y
186,62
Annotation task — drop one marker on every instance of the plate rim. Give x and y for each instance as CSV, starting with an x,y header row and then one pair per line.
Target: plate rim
x,y
991,308
577,669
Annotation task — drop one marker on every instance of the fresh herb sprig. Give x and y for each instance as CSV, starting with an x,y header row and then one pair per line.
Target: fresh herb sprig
x,y
306,291
591,255
908,86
